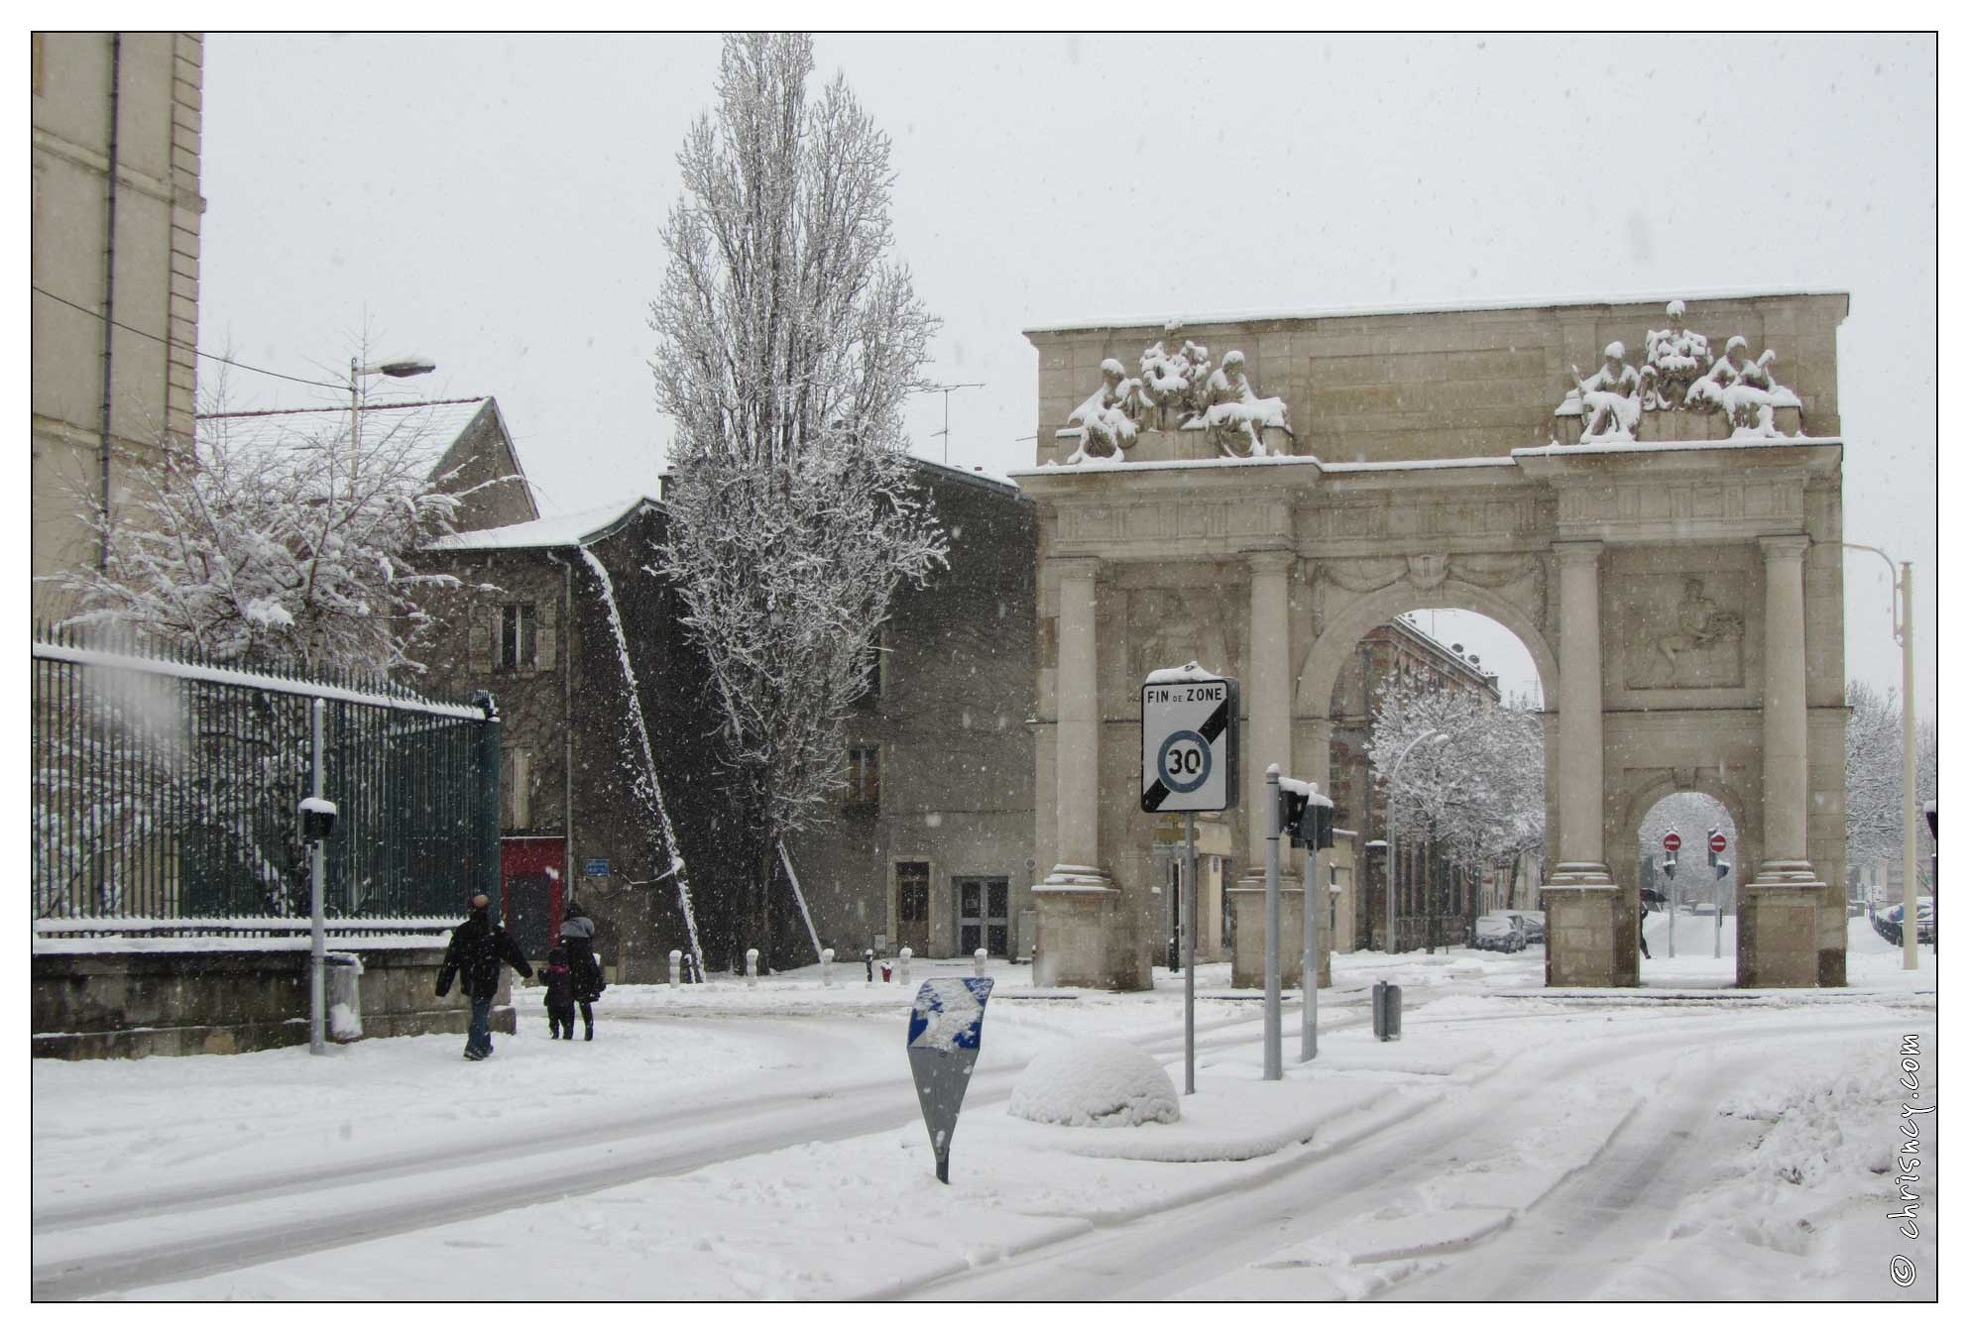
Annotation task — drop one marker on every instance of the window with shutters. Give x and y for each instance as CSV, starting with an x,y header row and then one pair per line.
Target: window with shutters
x,y
864,776
517,643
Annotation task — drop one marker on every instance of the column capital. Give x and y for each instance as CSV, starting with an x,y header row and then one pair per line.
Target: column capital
x,y
1276,560
1578,553
1075,567
1791,546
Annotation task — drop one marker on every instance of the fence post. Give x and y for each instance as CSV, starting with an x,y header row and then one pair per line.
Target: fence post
x,y
486,864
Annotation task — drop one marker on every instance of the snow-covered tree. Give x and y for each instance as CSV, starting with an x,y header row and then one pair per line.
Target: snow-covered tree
x,y
291,551
296,552
1478,797
1873,777
787,342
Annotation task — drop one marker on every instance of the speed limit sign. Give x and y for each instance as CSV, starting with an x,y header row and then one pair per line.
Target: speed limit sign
x,y
1189,740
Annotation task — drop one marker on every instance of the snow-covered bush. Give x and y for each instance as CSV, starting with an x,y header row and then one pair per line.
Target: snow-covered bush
x,y
1095,1082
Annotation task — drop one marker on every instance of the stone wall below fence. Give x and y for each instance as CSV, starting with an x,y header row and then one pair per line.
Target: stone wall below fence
x,y
184,998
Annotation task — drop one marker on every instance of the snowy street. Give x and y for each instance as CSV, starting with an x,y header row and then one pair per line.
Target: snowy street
x,y
763,1142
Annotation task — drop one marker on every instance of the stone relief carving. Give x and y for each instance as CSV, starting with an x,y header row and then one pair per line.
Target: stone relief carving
x,y
1426,569
1686,636
1171,626
1178,392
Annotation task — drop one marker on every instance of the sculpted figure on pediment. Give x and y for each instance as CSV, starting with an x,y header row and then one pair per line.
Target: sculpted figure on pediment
x,y
1677,355
1168,627
1610,398
1744,389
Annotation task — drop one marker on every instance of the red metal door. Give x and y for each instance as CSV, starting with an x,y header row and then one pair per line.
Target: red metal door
x,y
531,891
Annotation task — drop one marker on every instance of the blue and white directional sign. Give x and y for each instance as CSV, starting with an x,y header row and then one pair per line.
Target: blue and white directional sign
x,y
1189,740
944,1029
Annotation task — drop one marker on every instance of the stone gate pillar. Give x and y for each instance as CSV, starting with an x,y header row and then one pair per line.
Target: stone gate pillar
x,y
1778,925
1591,928
1268,697
1077,904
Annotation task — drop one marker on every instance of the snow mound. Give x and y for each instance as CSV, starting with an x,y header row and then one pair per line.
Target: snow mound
x,y
1095,1082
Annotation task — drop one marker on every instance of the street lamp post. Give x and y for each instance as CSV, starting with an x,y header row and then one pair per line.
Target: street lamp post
x,y
1434,739
1904,633
400,369
946,390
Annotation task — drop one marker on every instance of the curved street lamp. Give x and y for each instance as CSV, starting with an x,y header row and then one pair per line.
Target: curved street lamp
x,y
1434,739
402,368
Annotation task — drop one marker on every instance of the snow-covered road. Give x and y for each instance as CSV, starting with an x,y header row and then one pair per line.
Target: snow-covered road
x,y
734,1141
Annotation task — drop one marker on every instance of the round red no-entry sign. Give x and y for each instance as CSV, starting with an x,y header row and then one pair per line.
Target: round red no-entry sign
x,y
1672,841
1717,842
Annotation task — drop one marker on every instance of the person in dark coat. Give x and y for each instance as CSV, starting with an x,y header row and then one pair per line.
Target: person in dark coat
x,y
578,939
560,994
478,946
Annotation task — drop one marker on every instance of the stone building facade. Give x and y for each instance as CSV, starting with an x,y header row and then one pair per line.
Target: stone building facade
x,y
116,130
933,845
1680,594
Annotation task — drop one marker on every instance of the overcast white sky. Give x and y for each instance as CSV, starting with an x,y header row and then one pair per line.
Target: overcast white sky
x,y
494,202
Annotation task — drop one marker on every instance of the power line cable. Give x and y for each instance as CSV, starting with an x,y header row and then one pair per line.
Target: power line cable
x,y
209,356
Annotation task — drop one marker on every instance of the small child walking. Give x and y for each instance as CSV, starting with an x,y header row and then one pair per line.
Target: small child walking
x,y
560,994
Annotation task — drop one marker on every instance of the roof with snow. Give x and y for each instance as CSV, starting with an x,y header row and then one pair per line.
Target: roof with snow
x,y
433,427
557,530
1177,320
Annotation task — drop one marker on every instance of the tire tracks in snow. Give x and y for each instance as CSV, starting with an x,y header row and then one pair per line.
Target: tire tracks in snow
x,y
98,1246
1169,1251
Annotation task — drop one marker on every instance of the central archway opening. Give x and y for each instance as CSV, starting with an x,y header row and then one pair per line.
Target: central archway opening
x,y
1437,769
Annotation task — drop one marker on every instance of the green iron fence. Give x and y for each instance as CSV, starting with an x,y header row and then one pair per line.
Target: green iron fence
x,y
166,794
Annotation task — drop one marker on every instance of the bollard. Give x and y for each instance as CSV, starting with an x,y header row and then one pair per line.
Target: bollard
x,y
903,957
676,965
827,967
1387,1011
868,962
977,962
752,968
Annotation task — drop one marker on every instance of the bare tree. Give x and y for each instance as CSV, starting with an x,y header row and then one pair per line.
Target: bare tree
x,y
787,344
1873,778
1479,797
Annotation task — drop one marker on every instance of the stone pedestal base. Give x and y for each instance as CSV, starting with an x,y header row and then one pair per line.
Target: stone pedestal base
x,y
1592,930
1778,928
1248,937
1081,939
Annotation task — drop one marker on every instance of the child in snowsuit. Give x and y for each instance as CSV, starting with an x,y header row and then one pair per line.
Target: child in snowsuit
x,y
560,994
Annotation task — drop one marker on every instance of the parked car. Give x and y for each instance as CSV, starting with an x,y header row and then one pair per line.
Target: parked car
x,y
1888,923
1498,931
1531,923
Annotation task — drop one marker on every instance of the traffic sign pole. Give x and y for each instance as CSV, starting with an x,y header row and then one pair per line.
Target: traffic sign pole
x,y
1309,967
1189,951
1274,1057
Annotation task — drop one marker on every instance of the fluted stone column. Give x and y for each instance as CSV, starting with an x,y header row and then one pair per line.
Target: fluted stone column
x,y
1592,930
1078,750
1777,932
1077,942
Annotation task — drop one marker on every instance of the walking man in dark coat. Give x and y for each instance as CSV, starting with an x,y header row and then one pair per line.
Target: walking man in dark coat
x,y
478,946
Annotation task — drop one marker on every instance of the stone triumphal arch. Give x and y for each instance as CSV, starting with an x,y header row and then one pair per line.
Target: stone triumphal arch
x,y
1662,534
